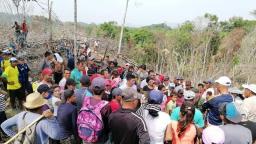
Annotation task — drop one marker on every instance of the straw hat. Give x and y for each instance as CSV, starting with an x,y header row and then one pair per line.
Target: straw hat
x,y
34,100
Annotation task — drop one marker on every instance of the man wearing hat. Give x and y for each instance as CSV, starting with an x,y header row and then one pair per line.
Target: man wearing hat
x,y
234,133
126,126
6,59
11,75
249,103
221,85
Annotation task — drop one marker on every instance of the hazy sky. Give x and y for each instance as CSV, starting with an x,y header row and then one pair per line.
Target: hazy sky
x,y
146,12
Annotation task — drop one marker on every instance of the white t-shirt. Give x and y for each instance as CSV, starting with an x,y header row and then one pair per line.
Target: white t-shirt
x,y
55,104
157,126
249,106
143,83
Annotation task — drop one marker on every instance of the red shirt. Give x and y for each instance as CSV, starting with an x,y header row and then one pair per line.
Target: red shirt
x,y
24,27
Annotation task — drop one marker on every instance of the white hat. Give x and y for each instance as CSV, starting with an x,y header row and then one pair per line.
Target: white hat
x,y
58,57
251,87
13,59
213,134
224,80
189,95
34,100
235,90
6,51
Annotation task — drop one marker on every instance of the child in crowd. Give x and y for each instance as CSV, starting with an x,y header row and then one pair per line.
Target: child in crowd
x,y
171,104
56,95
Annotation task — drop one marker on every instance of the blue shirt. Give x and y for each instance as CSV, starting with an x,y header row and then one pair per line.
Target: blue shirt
x,y
198,117
76,75
213,116
23,72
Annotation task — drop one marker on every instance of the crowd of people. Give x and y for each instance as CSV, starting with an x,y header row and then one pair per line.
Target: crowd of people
x,y
84,102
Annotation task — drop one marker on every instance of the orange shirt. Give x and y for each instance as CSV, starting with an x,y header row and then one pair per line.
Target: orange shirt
x,y
187,138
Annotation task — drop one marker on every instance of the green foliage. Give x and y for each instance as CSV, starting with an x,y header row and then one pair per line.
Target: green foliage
x,y
109,29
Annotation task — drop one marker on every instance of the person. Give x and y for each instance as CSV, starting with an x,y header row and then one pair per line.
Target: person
x,y
156,120
92,67
98,88
44,91
171,104
43,130
130,83
188,85
67,116
63,81
125,125
152,74
3,117
150,85
111,66
6,59
184,130
24,29
46,62
46,77
142,72
249,103
11,74
70,84
208,86
24,71
197,117
222,84
180,93
213,135
58,68
17,30
83,92
56,98
115,103
115,77
234,133
77,73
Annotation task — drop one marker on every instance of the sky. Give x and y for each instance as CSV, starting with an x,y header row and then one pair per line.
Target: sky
x,y
147,12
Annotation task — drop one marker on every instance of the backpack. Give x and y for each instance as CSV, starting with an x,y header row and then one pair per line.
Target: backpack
x,y
89,120
29,136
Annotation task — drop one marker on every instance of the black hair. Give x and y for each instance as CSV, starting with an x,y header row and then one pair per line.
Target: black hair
x,y
98,91
160,87
67,69
70,82
130,76
47,53
149,78
115,73
187,111
200,84
143,66
68,94
150,71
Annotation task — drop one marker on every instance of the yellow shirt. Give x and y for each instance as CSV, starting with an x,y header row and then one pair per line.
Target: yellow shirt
x,y
5,64
12,75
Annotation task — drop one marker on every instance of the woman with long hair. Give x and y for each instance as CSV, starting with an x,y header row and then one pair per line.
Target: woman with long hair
x,y
184,130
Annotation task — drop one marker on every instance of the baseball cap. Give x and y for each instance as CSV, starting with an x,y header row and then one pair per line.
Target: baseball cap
x,y
209,81
171,85
117,92
98,82
13,59
47,71
155,96
189,95
213,134
230,111
166,78
129,94
224,80
251,87
43,88
6,51
85,80
178,88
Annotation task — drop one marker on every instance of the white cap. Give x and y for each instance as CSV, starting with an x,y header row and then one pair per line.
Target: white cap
x,y
13,59
251,87
171,85
58,57
6,51
224,80
235,90
127,64
189,95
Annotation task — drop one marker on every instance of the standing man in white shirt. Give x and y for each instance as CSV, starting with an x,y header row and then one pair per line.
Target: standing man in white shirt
x,y
249,104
